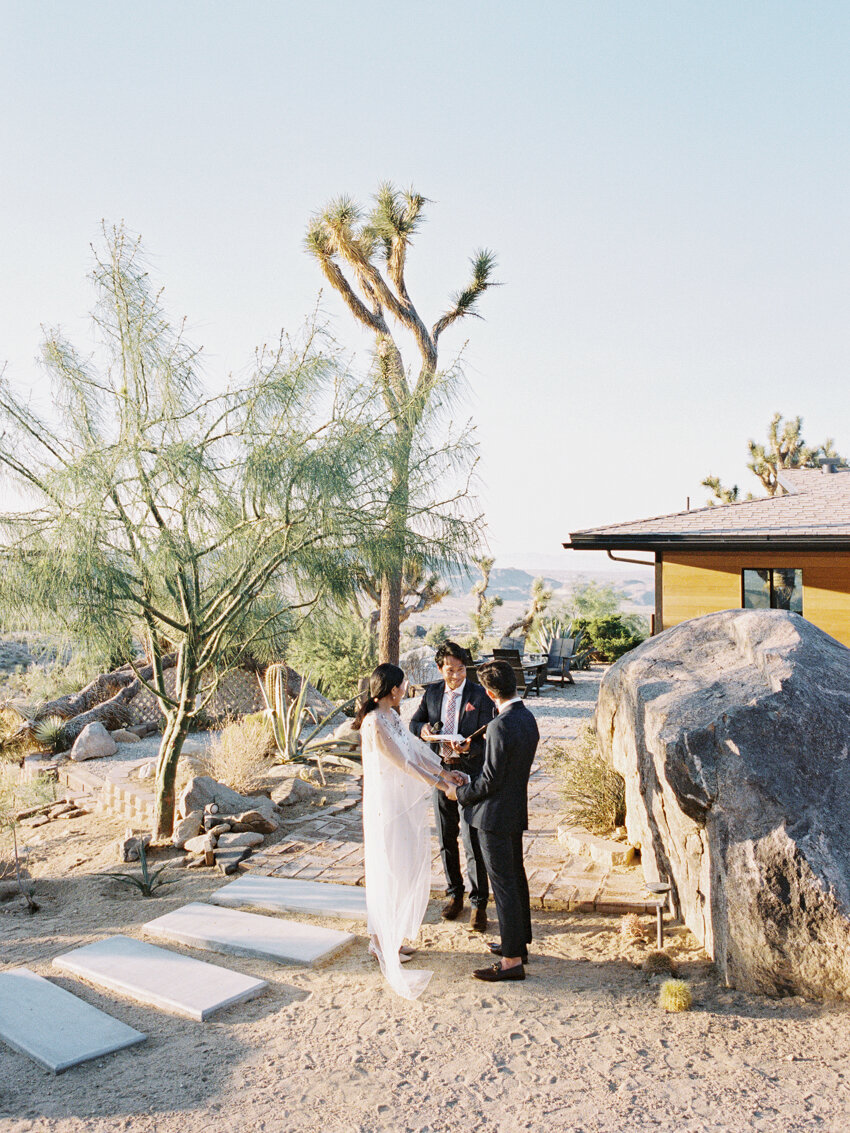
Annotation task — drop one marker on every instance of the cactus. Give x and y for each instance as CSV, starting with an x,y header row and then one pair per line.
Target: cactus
x,y
631,928
675,995
658,963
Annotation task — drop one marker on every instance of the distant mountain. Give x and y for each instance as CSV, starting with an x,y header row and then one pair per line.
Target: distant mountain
x,y
514,585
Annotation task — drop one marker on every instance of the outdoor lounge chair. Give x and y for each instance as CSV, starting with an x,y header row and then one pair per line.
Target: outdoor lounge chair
x,y
527,676
561,652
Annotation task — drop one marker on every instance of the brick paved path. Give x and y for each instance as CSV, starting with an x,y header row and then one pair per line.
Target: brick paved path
x,y
329,845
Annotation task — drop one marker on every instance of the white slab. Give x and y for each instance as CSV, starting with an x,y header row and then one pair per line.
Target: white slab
x,y
158,977
289,895
54,1027
247,934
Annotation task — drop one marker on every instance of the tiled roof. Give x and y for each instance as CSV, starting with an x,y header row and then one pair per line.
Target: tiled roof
x,y
816,508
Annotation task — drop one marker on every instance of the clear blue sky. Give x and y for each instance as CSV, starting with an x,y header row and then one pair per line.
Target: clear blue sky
x,y
666,184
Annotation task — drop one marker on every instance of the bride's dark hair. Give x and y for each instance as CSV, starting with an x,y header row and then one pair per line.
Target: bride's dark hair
x,y
381,683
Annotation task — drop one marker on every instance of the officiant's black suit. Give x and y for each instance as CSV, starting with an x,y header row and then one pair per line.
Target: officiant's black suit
x,y
495,804
475,710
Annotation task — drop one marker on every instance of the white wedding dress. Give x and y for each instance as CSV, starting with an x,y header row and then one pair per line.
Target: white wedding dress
x,y
399,772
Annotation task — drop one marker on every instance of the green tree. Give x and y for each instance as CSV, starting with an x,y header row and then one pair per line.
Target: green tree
x,y
199,521
785,448
590,599
336,649
372,249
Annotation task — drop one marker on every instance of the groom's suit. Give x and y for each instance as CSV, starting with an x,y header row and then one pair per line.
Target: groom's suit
x,y
495,803
474,709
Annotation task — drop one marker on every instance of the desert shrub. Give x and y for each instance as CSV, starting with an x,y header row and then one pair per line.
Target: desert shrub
x,y
437,634
608,638
336,650
242,753
50,734
594,792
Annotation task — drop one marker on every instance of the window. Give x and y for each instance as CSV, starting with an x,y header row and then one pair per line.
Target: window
x,y
779,588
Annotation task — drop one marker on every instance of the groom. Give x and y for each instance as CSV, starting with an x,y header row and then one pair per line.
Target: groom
x,y
495,805
455,705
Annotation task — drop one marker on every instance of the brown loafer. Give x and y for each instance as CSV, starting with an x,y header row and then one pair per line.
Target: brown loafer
x,y
478,920
451,910
497,972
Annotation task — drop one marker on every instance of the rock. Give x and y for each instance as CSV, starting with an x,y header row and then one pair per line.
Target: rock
x,y
128,846
212,821
191,749
202,844
9,890
228,860
145,770
125,736
731,732
296,791
93,742
203,790
228,841
217,831
34,823
60,809
76,812
253,820
347,733
188,827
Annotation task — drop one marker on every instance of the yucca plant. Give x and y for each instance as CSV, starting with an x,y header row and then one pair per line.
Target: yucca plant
x,y
146,882
50,733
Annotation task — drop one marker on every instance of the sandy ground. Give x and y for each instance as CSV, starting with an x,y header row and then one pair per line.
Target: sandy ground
x,y
581,1045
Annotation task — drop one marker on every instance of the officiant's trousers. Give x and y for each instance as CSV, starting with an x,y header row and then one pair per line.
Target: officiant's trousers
x,y
450,823
503,858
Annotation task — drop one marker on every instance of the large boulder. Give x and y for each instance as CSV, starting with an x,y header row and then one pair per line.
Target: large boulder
x,y
93,742
732,732
203,791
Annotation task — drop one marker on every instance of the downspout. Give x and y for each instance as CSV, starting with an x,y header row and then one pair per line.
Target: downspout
x,y
657,619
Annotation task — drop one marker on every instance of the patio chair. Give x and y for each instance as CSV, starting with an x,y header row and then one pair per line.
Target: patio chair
x,y
561,651
527,676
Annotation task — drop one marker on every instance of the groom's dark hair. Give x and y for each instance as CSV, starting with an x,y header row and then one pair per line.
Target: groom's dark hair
x,y
498,677
452,649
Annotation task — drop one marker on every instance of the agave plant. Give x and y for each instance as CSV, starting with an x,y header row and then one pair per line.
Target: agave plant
x,y
146,882
288,720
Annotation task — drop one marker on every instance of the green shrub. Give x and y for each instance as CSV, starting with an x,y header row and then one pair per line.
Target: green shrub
x,y
336,650
436,635
594,792
608,638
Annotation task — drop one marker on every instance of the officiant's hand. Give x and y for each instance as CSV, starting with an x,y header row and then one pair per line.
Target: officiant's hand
x,y
427,736
461,749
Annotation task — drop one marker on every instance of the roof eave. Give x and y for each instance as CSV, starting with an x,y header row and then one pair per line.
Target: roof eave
x,y
578,541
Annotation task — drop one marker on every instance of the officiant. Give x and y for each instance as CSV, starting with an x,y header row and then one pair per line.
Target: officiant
x,y
455,705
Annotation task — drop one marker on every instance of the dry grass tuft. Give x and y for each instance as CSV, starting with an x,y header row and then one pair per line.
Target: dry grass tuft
x,y
631,928
593,790
242,754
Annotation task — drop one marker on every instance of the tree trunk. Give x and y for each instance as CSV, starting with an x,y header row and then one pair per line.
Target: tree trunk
x,y
388,643
177,726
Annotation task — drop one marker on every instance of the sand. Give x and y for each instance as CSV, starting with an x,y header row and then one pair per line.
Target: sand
x,y
580,1045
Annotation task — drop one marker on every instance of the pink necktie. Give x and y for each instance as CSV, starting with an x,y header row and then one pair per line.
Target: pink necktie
x,y
450,725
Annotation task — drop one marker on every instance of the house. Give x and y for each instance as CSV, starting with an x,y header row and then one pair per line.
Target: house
x,y
786,552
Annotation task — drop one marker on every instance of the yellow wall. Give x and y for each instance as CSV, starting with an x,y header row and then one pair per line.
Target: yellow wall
x,y
693,585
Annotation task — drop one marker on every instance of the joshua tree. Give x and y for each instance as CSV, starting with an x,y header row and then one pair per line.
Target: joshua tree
x,y
420,591
785,448
363,257
199,522
540,599
482,616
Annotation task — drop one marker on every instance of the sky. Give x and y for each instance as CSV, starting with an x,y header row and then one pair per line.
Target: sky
x,y
666,186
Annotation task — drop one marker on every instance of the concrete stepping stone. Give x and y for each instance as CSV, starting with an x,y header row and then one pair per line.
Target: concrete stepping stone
x,y
54,1027
247,934
158,977
290,895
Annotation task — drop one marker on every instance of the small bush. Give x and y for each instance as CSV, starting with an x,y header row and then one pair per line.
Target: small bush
x,y
436,635
608,638
594,792
50,734
242,753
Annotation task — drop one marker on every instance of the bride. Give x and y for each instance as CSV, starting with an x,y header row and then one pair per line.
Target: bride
x,y
399,772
